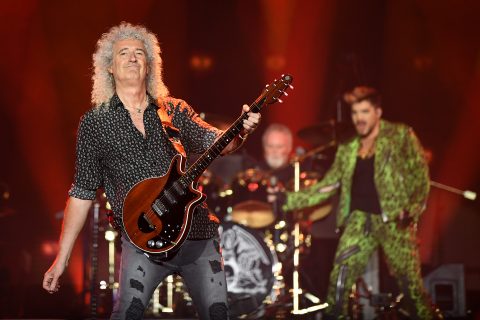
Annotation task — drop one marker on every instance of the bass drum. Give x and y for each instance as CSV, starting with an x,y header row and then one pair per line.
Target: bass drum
x,y
251,269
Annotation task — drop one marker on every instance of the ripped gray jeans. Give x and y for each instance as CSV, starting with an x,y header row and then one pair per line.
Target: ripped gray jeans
x,y
198,262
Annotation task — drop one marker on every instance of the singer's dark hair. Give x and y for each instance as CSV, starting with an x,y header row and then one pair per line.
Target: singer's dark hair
x,y
363,93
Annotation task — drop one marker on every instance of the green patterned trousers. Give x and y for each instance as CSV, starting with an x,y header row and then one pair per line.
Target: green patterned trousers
x,y
363,234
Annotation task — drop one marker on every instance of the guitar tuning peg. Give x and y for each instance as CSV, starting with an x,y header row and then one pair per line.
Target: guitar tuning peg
x,y
290,86
280,100
285,93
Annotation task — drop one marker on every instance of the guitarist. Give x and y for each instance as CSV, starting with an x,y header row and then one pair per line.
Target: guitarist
x,y
123,140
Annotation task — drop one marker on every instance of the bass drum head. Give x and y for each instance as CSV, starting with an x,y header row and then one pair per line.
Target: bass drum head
x,y
248,266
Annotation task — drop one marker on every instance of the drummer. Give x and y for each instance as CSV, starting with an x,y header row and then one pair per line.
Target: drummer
x,y
260,190
277,141
277,145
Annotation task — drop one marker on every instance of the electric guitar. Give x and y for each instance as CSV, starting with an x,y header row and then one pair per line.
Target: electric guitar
x,y
157,212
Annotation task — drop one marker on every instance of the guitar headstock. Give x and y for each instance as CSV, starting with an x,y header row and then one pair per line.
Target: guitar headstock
x,y
274,91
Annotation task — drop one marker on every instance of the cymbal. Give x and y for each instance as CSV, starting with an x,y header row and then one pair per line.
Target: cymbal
x,y
318,134
320,212
222,122
307,179
254,214
326,132
314,213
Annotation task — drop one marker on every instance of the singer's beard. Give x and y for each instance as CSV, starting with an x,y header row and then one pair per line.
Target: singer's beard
x,y
276,162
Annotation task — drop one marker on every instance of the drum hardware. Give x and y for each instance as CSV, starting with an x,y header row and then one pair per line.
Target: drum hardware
x,y
467,194
110,236
282,236
94,261
100,270
210,185
171,297
297,237
318,212
313,152
386,306
157,306
308,178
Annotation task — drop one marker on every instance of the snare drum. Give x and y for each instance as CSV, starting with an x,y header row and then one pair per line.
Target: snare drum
x,y
251,268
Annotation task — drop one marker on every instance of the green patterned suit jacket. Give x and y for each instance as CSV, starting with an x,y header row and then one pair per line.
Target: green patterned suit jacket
x,y
401,176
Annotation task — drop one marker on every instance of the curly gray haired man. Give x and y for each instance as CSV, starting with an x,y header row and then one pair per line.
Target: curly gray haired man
x,y
122,141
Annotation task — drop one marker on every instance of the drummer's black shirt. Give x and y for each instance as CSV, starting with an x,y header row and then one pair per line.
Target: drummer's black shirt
x,y
113,154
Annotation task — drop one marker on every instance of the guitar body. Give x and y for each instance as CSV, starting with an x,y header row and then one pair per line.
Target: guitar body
x,y
156,214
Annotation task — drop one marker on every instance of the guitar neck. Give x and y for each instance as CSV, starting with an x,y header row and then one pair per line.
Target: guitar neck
x,y
218,146
270,95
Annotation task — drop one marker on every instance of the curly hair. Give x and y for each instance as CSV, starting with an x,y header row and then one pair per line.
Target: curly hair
x,y
103,82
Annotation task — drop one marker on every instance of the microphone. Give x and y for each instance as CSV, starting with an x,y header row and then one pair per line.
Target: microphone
x,y
273,181
299,151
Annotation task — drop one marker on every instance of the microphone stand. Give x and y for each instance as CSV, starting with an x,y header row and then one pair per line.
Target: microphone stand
x,y
297,291
94,261
300,158
467,194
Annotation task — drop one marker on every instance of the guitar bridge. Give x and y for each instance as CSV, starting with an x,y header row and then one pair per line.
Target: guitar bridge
x,y
159,208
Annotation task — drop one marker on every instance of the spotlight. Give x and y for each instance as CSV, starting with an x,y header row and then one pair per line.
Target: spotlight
x,y
201,62
103,285
110,235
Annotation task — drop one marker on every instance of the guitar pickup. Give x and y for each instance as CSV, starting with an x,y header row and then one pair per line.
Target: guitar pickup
x,y
170,197
178,188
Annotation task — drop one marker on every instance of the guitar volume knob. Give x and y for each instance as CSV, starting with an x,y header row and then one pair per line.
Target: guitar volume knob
x,y
150,243
159,244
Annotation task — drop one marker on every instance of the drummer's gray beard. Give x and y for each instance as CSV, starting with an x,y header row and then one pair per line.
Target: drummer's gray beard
x,y
276,162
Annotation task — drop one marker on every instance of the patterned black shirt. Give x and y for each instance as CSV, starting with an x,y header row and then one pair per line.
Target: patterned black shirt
x,y
113,154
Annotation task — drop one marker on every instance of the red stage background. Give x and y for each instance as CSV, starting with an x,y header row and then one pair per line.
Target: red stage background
x,y
423,55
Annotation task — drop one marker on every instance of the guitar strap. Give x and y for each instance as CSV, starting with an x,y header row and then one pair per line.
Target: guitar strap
x,y
170,130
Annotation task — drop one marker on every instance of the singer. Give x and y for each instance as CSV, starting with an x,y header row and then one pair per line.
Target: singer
x,y
383,181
